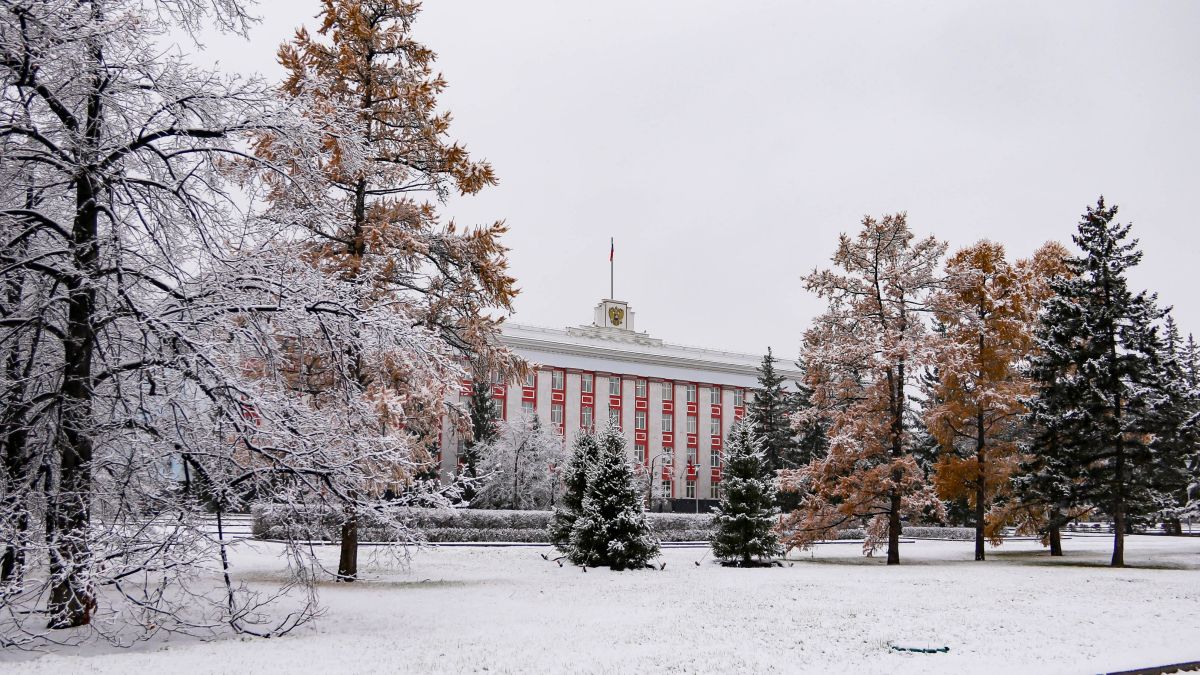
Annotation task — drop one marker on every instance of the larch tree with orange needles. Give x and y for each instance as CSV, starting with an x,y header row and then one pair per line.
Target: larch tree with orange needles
x,y
987,309
364,185
863,355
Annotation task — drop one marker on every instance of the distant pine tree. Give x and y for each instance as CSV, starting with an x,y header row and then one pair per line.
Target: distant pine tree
x,y
1178,421
746,517
584,452
771,411
1102,394
611,529
484,416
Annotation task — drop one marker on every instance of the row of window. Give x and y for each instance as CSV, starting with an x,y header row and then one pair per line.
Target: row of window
x,y
689,489
588,384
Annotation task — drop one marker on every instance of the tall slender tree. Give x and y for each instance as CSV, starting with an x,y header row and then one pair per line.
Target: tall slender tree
x,y
485,418
584,452
1102,398
368,205
987,311
864,354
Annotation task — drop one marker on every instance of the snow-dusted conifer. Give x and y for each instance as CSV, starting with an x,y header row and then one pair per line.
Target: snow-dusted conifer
x,y
584,452
771,407
611,529
746,517
1102,403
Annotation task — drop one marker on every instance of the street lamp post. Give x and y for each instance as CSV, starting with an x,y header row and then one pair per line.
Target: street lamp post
x,y
650,486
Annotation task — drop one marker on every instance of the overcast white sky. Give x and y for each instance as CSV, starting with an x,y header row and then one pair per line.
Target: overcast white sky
x,y
726,144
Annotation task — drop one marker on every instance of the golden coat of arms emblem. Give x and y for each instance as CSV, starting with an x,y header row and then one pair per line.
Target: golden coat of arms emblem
x,y
616,315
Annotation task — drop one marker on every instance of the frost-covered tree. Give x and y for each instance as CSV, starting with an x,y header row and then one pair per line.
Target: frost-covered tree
x,y
584,451
746,517
519,467
864,355
986,312
611,530
140,339
1103,403
1178,419
370,171
771,407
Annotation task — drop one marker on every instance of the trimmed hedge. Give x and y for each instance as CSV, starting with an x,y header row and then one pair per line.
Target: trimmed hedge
x,y
317,523
321,523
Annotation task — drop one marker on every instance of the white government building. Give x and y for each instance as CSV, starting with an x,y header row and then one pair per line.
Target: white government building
x,y
675,404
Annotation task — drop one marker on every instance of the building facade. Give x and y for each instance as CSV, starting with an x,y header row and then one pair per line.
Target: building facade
x,y
674,404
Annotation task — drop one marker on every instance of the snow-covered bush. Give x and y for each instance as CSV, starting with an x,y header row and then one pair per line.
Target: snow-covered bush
x,y
520,467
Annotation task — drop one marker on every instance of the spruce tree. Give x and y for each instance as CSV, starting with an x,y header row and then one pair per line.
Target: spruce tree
x,y
611,529
811,441
1101,391
583,457
771,411
1178,422
484,416
745,518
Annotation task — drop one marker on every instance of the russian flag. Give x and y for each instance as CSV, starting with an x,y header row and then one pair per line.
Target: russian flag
x,y
612,248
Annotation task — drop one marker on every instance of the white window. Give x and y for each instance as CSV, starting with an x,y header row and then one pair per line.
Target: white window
x,y
586,383
556,380
691,393
668,424
714,395
639,420
714,491
585,418
668,391
614,417
669,452
739,397
691,424
639,452
714,426
714,457
531,379
666,489
556,414
690,488
614,386
639,389
691,456
527,407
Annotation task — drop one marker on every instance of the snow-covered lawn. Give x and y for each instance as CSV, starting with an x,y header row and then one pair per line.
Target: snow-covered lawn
x,y
499,610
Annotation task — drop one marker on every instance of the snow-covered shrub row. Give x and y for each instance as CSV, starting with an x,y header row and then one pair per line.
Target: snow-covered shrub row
x,y
323,524
956,533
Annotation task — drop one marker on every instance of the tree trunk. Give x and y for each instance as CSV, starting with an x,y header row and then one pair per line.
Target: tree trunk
x,y
1118,556
893,553
1055,538
348,562
980,486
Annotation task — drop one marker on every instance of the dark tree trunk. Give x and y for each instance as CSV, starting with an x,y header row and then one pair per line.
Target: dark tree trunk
x,y
348,561
893,553
1055,536
980,486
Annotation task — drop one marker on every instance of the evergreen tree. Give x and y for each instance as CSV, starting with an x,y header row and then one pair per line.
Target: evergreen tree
x,y
484,417
1103,401
1178,420
771,409
584,452
745,519
811,439
1190,359
611,529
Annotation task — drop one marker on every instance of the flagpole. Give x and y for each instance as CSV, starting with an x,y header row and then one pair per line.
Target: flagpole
x,y
612,248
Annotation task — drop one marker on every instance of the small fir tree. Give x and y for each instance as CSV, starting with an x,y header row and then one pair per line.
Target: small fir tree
x,y
746,517
583,456
611,529
771,408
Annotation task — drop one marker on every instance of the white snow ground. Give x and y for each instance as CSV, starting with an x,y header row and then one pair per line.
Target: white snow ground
x,y
502,610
